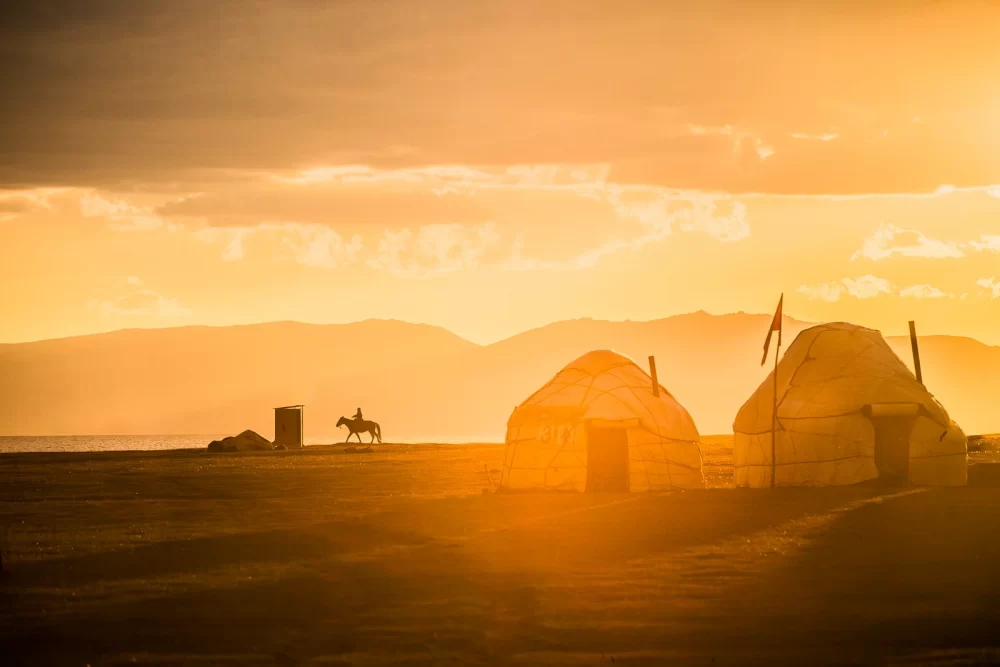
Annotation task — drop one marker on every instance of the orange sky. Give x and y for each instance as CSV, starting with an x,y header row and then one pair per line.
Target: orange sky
x,y
491,167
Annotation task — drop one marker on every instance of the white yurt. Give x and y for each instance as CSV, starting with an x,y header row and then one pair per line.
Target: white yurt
x,y
849,410
599,425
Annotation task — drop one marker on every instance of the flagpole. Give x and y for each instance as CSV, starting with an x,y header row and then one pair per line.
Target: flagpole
x,y
774,410
775,325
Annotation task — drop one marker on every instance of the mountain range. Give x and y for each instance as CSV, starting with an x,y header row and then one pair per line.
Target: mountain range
x,y
422,383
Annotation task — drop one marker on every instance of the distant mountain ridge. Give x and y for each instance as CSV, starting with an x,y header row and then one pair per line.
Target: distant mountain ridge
x,y
420,381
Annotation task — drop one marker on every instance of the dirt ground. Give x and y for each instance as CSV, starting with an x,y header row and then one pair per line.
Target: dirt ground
x,y
398,557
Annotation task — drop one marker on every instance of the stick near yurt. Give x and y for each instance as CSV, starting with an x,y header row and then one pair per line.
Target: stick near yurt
x,y
916,352
652,375
774,409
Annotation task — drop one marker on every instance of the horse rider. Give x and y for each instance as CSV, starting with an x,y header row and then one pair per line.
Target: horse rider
x,y
357,415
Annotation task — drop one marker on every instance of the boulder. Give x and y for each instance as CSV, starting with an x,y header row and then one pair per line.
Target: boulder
x,y
247,441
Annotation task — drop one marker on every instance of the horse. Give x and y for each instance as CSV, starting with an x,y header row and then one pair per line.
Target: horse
x,y
359,426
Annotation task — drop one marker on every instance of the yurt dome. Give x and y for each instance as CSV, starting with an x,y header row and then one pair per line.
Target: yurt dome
x,y
599,426
849,410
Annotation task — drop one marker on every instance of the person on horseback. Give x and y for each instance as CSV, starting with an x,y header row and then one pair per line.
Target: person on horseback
x,y
357,425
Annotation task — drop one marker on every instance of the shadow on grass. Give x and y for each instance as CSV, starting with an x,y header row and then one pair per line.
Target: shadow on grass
x,y
209,553
891,580
344,607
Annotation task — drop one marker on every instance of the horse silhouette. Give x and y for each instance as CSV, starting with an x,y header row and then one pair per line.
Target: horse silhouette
x,y
359,426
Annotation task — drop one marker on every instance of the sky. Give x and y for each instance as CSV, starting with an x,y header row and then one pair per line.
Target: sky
x,y
491,167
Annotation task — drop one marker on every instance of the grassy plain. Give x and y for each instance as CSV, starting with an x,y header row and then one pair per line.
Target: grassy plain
x,y
397,557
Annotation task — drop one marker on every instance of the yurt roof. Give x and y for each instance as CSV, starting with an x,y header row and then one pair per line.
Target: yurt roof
x,y
835,369
603,384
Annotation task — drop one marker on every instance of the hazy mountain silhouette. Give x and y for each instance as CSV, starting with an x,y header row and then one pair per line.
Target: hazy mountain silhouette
x,y
418,381
217,379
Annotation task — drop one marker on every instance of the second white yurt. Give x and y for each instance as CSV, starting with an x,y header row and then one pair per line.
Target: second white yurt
x,y
599,425
849,410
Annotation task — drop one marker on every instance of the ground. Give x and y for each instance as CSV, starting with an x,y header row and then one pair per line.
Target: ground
x,y
398,557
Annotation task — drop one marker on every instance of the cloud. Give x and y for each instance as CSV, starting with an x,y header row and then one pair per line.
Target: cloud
x,y
726,228
724,130
763,150
744,143
233,238
450,197
234,249
143,303
358,174
107,119
381,199
831,291
992,284
22,200
10,204
122,215
585,260
312,245
324,174
433,249
315,245
933,192
986,242
450,177
867,286
16,202
93,205
514,198
658,210
923,292
863,287
889,240
133,281
993,192
829,136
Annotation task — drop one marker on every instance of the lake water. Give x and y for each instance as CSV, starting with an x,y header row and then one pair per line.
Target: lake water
x,y
101,443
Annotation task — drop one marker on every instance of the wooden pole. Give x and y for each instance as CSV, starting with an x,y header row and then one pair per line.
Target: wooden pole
x,y
488,475
774,412
916,352
652,374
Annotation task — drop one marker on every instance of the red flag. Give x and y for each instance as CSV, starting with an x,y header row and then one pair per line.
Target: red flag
x,y
775,326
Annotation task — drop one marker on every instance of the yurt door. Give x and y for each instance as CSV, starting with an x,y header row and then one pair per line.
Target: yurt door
x,y
892,447
607,460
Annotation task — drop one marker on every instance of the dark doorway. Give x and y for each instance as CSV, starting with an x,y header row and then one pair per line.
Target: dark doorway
x,y
892,447
607,460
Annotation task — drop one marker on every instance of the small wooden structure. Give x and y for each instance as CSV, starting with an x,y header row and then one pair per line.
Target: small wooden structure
x,y
288,426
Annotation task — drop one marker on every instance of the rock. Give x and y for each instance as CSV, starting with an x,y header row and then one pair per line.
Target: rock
x,y
247,441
